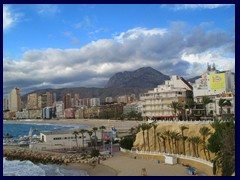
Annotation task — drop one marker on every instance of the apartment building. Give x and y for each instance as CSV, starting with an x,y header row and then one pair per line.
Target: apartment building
x,y
156,104
32,101
15,100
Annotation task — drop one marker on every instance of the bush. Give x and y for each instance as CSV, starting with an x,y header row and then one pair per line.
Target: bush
x,y
127,142
95,153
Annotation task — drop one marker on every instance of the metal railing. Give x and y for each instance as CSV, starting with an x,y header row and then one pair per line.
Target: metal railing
x,y
155,153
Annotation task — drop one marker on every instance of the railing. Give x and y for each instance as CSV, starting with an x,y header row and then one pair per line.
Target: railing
x,y
187,122
200,160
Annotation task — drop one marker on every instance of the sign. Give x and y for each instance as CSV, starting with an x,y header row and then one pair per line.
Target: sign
x,y
217,81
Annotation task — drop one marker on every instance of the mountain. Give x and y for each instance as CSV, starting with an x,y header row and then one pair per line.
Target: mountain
x,y
145,77
84,92
122,83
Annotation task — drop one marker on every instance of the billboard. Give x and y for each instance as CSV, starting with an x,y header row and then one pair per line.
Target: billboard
x,y
217,81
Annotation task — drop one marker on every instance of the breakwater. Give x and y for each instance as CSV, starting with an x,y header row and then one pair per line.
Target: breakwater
x,y
16,153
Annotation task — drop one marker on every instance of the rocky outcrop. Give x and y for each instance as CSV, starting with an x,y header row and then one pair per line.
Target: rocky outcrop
x,y
145,77
162,127
46,157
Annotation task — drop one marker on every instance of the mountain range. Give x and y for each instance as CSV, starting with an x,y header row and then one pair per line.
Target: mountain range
x,y
122,83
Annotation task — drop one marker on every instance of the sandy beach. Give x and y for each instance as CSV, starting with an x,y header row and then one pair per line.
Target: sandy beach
x,y
123,164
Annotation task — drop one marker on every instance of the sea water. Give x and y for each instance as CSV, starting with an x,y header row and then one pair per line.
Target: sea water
x,y
27,168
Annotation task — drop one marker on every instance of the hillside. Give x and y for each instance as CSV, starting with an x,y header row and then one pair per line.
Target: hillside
x,y
145,77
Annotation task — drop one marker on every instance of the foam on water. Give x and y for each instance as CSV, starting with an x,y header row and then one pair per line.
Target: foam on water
x,y
21,168
27,168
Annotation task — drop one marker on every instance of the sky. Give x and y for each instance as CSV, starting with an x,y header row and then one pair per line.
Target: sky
x,y
64,45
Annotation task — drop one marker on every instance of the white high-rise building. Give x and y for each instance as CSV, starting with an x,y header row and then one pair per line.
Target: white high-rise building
x,y
95,102
156,104
14,100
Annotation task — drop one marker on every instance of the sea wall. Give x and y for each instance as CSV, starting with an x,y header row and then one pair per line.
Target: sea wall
x,y
16,153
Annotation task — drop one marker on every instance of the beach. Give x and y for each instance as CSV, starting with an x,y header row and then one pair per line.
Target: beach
x,y
123,164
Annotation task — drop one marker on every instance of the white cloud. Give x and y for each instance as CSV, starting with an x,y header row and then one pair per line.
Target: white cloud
x,y
86,23
168,51
137,33
48,9
199,6
8,18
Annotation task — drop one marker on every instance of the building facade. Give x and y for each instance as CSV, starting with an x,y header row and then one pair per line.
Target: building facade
x,y
32,101
95,102
157,104
15,100
214,82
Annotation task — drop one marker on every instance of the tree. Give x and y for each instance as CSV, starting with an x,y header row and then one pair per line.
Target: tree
x,y
222,103
159,140
102,128
82,131
183,128
148,126
164,142
205,132
76,133
190,103
94,129
167,134
143,127
222,143
154,125
90,136
175,106
206,100
127,142
196,140
189,139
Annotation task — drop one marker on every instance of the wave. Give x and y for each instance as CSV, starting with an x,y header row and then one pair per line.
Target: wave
x,y
27,168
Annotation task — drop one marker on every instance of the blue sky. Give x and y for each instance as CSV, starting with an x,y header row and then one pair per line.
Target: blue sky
x,y
55,46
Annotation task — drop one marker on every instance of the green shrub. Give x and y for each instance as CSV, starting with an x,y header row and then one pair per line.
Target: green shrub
x,y
127,142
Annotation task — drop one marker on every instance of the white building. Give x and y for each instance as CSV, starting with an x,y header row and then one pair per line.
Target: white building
x,y
14,100
108,100
156,104
214,82
95,102
59,109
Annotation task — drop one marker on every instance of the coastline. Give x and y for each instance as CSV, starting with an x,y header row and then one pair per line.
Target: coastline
x,y
118,124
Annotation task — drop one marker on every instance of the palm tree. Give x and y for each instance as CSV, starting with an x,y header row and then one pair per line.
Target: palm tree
x,y
90,136
143,129
102,128
148,126
94,129
189,139
177,138
206,100
183,128
205,132
82,131
174,137
164,141
197,140
154,125
159,141
222,103
167,134
76,133
190,103
175,107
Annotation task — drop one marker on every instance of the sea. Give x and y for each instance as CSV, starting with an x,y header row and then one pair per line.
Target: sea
x,y
28,168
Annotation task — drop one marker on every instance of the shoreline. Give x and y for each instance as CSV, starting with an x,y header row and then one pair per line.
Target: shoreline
x,y
118,124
